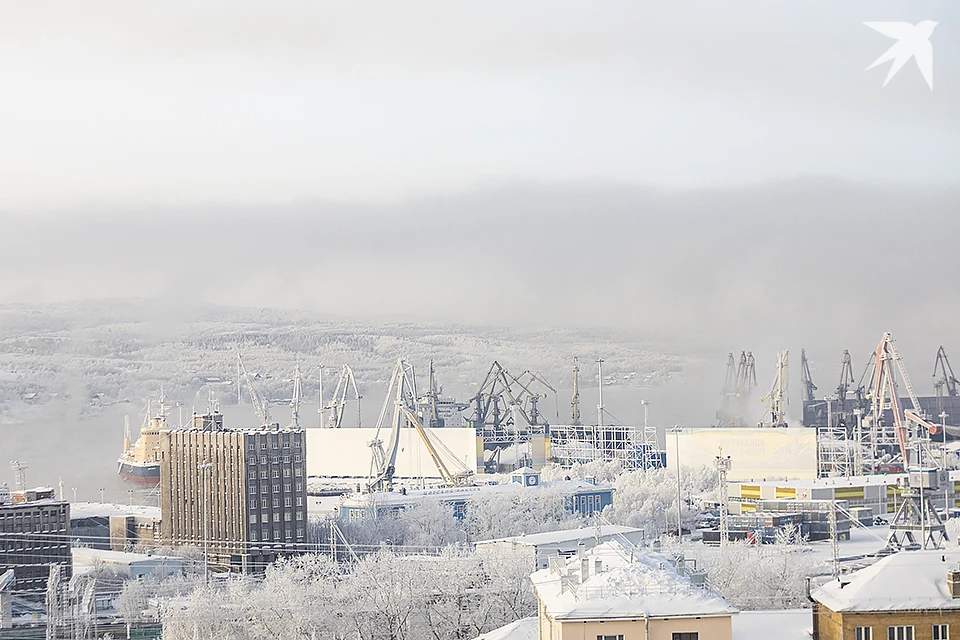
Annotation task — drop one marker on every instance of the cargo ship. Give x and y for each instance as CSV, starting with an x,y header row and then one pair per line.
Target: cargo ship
x,y
140,462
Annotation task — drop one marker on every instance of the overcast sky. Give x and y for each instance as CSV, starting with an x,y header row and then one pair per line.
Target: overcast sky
x,y
724,172
121,104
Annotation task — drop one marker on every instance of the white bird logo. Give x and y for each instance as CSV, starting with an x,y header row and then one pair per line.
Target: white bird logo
x,y
913,41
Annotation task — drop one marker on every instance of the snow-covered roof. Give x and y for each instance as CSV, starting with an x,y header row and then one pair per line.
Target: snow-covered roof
x,y
86,554
523,629
631,583
565,535
107,509
791,624
908,580
829,483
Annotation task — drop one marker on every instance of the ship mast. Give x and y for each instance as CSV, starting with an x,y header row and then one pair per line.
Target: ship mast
x,y
575,400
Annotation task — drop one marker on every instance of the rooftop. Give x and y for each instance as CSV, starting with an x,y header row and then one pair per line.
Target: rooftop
x,y
117,557
791,624
523,629
107,509
908,580
565,535
462,493
631,583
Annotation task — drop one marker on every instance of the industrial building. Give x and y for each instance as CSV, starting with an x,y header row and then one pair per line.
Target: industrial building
x,y
34,534
241,491
130,566
580,497
118,527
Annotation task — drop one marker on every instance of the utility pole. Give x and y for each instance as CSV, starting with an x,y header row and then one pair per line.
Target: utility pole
x,y
835,546
600,378
723,465
320,410
575,400
676,431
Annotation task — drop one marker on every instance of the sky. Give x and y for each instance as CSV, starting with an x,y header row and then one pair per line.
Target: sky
x,y
118,105
724,172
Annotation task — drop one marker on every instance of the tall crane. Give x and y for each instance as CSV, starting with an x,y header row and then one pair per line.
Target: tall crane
x,y
260,404
808,387
887,363
403,393
779,395
19,475
846,377
501,396
575,400
946,382
338,403
296,398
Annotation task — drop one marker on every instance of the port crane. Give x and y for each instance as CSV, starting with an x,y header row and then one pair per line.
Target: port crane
x,y
887,363
779,395
502,394
338,403
946,382
260,404
402,393
296,398
807,380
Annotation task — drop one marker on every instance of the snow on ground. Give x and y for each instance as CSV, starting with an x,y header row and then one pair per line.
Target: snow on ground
x,y
790,624
523,629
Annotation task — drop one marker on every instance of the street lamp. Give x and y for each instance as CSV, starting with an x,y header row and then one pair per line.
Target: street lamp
x,y
676,431
101,495
206,466
74,494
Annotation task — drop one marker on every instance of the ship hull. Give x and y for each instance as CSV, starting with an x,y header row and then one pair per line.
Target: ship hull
x,y
148,474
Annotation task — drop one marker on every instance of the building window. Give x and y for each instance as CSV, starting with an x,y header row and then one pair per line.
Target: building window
x,y
263,473
677,636
296,458
253,518
298,472
286,517
286,459
901,632
263,459
286,502
276,517
276,503
941,632
299,515
276,488
252,460
263,446
264,504
300,533
276,473
300,504
266,533
299,486
275,445
286,444
286,487
286,472
263,488
253,535
863,633
620,637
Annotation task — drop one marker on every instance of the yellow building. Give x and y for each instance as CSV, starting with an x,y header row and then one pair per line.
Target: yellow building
x,y
616,592
910,595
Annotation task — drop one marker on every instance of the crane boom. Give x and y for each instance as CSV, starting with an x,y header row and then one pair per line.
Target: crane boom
x,y
947,380
403,393
808,387
260,404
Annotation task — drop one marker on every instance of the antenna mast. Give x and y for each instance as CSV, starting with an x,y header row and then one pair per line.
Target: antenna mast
x,y
297,396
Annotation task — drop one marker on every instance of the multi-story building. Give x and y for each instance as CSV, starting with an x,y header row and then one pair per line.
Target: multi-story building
x,y
617,592
34,534
910,595
243,491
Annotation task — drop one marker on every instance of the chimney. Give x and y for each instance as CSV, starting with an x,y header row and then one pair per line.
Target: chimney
x,y
953,583
584,569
